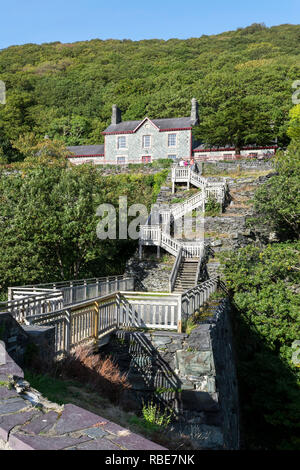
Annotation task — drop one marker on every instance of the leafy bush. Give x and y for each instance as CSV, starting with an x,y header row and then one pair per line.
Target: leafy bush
x,y
212,207
278,201
154,416
266,322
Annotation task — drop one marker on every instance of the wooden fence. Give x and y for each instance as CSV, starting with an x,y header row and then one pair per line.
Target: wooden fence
x,y
29,303
93,319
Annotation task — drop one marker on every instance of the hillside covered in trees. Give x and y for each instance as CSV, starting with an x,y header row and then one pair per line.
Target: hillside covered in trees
x,y
242,80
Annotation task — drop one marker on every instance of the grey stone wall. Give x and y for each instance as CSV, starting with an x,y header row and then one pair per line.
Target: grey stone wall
x,y
14,337
159,145
19,339
251,165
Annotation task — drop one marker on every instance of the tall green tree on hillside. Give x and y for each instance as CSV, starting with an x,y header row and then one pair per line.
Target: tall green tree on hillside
x,y
237,123
48,223
278,201
293,130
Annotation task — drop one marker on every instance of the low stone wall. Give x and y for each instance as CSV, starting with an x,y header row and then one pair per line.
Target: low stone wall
x,y
192,374
243,165
15,338
21,341
28,421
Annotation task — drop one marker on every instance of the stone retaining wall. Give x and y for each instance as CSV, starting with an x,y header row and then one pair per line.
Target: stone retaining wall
x,y
243,165
21,341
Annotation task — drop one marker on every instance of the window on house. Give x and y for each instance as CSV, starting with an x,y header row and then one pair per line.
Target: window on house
x,y
146,141
172,157
122,142
121,160
171,140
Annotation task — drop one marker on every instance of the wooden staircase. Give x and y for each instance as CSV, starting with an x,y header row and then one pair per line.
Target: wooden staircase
x,y
186,276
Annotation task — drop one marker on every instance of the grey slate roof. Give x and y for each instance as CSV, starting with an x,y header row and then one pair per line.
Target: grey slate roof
x,y
162,124
87,150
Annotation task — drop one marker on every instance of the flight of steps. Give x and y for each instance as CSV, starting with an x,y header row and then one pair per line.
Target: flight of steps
x,y
186,275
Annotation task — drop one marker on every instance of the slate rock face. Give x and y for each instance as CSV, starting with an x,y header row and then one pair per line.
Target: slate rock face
x,y
197,400
194,362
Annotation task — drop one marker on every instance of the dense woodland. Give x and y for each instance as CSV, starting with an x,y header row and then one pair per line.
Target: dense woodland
x,y
242,80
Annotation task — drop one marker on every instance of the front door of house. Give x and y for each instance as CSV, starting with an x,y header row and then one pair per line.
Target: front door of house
x,y
146,159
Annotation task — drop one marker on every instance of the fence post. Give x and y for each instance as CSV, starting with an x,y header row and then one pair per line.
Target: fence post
x,y
9,295
71,292
68,332
179,316
96,320
117,309
85,290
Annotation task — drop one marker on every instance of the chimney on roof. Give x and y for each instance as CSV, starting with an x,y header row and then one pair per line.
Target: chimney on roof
x,y
116,115
194,112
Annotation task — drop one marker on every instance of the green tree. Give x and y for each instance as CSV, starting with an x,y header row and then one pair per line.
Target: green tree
x,y
278,201
293,130
263,285
237,123
48,223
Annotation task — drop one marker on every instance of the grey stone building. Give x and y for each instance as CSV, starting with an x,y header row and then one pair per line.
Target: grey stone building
x,y
146,140
141,141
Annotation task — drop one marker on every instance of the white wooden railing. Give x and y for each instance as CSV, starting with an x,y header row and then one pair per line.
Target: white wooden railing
x,y
154,235
193,299
174,272
91,320
186,175
193,202
19,291
28,302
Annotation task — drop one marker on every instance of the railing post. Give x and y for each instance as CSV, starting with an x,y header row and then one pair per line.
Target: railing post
x,y
68,330
117,309
71,292
179,314
85,290
96,320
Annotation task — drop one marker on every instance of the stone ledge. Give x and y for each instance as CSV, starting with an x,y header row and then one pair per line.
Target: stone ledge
x,y
26,427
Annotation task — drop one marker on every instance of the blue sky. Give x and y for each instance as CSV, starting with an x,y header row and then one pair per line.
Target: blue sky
x,y
36,21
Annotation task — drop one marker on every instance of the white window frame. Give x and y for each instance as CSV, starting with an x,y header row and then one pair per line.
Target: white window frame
x,y
143,141
172,145
121,156
118,143
172,156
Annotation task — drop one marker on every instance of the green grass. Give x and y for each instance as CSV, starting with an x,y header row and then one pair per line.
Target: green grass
x,y
189,325
54,389
3,383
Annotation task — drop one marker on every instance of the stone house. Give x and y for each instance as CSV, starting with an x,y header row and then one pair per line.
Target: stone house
x,y
141,141
146,140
